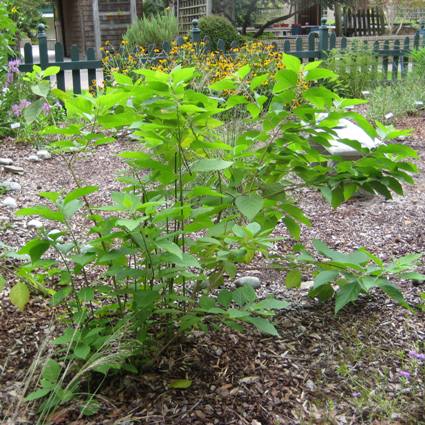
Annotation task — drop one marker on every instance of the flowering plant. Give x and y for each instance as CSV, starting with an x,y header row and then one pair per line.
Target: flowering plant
x,y
25,102
211,66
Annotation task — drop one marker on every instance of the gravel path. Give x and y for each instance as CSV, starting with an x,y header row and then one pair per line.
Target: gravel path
x,y
324,369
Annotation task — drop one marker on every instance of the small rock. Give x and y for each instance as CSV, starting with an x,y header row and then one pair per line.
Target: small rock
x,y
44,154
9,202
310,385
35,224
6,161
252,281
13,169
306,286
34,158
10,186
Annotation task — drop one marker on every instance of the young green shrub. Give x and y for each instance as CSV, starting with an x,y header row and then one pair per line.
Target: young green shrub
x,y
357,69
157,260
216,28
153,30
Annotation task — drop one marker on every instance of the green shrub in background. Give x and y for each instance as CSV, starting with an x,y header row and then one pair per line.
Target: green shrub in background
x,y
357,68
152,30
216,28
418,58
401,97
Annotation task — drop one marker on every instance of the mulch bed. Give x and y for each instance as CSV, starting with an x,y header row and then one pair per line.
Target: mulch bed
x,y
324,369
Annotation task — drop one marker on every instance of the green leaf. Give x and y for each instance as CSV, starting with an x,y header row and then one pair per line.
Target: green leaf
x,y
35,395
19,295
42,211
319,74
393,292
182,74
51,70
270,304
32,112
293,279
51,371
291,62
35,248
207,165
82,351
2,283
285,79
293,227
59,296
225,84
71,207
249,205
91,407
80,193
170,247
243,72
42,88
347,293
263,325
244,295
325,277
180,384
258,81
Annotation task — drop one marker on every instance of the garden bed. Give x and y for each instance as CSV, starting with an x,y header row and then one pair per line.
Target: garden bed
x,y
345,369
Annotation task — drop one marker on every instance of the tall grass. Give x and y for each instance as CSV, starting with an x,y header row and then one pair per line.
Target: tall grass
x,y
152,30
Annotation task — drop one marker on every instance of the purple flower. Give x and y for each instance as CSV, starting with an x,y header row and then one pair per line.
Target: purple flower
x,y
46,108
404,374
12,69
356,394
19,107
13,66
416,355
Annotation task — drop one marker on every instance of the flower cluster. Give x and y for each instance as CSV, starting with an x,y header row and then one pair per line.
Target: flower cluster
x,y
18,108
12,70
417,356
211,65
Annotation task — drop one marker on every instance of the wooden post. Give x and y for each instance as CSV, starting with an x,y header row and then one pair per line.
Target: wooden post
x,y
96,23
323,38
42,46
133,11
338,20
209,7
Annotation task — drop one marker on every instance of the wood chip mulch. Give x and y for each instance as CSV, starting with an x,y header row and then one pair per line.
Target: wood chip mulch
x,y
323,369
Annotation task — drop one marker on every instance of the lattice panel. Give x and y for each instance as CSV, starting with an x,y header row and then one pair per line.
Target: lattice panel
x,y
189,10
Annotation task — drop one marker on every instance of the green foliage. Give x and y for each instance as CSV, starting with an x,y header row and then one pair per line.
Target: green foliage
x,y
402,97
418,57
152,30
357,68
346,276
7,36
27,14
154,7
194,207
399,98
216,28
26,105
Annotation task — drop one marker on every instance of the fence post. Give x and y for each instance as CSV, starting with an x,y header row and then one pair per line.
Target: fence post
x,y
195,32
323,37
42,46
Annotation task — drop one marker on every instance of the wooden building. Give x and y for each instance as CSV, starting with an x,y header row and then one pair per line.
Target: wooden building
x,y
90,23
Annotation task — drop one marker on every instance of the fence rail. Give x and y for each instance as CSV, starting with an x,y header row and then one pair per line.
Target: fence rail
x,y
393,53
